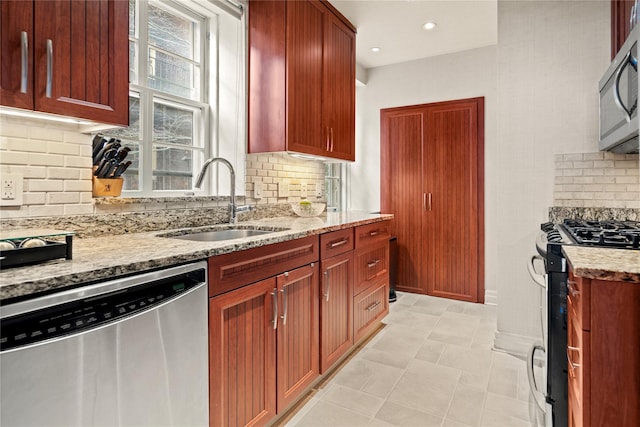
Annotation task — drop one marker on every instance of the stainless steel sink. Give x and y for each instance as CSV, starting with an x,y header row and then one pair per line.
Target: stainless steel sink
x,y
218,235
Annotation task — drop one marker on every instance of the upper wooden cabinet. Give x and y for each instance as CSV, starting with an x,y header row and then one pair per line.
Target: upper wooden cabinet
x,y
301,79
67,57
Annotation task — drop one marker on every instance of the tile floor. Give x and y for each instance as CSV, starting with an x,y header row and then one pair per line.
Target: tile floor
x,y
432,365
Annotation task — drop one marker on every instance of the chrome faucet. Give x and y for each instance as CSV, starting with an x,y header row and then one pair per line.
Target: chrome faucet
x,y
233,209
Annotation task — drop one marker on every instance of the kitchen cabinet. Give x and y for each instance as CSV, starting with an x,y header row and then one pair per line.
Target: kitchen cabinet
x,y
620,23
371,294
336,296
66,57
603,344
432,169
301,79
264,330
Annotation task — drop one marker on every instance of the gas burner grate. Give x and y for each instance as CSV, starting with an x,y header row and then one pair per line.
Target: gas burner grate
x,y
609,233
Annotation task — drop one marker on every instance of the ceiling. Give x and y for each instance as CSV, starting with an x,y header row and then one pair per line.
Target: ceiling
x,y
395,26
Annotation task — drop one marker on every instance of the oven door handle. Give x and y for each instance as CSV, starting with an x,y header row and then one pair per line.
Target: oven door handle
x,y
538,396
540,279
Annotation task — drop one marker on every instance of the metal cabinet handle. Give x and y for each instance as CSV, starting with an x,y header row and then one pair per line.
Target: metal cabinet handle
x,y
572,291
49,67
24,57
572,365
341,242
331,140
424,201
628,59
284,297
326,138
373,263
328,283
373,233
429,201
372,306
274,294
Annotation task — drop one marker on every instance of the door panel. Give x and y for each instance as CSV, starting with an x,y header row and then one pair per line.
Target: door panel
x,y
298,338
16,17
401,191
242,356
451,232
432,169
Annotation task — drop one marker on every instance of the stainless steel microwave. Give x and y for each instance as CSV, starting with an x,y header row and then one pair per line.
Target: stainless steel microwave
x,y
619,100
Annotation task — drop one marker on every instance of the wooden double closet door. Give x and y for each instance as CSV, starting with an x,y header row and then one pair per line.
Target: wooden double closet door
x,y
432,180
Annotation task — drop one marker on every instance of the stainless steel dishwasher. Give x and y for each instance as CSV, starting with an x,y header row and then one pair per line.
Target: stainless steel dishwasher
x,y
127,352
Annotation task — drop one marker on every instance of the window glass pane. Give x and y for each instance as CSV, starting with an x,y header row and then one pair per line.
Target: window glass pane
x,y
131,132
132,18
132,174
170,32
171,74
172,124
133,62
172,168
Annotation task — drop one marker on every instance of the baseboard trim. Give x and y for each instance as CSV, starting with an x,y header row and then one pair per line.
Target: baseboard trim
x,y
491,297
514,344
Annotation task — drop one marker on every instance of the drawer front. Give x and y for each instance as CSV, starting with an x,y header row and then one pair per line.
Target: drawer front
x,y
372,233
578,297
237,269
369,308
336,243
371,264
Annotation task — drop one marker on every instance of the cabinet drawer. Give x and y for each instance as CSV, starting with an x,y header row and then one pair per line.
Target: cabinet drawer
x,y
371,233
578,298
369,308
336,243
237,269
371,264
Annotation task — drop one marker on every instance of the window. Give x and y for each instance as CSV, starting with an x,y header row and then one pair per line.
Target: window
x,y
333,183
175,70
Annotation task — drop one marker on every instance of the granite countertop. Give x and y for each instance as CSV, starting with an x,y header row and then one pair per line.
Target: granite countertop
x,y
101,258
621,265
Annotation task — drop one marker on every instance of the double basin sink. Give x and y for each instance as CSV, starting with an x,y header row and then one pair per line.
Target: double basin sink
x,y
221,234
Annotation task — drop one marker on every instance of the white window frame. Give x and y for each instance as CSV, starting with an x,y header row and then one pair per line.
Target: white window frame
x,y
206,108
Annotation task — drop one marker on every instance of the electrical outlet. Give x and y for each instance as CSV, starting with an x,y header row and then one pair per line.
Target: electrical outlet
x,y
257,190
11,191
303,189
283,189
318,189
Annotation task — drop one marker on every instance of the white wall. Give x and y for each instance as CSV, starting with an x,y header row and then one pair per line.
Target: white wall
x,y
540,89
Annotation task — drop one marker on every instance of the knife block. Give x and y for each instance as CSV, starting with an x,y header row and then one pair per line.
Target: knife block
x,y
107,187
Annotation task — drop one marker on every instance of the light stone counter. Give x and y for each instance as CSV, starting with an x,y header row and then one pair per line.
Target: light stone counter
x,y
103,258
621,265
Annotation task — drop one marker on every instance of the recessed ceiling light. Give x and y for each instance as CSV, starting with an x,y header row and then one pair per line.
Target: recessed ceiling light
x,y
429,25
375,49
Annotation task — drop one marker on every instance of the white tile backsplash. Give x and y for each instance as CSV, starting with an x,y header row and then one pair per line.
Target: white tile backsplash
x,y
600,179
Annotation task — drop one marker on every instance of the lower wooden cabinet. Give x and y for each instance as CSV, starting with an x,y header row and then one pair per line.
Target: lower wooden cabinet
x,y
369,308
603,352
336,313
263,347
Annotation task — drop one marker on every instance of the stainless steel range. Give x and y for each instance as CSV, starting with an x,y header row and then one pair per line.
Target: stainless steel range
x,y
624,235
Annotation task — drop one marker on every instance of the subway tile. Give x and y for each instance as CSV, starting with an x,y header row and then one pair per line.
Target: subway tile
x,y
66,197
45,210
63,148
45,133
79,209
28,145
37,159
604,164
77,138
626,179
80,185
622,164
63,173
593,156
33,198
34,185
573,157
583,165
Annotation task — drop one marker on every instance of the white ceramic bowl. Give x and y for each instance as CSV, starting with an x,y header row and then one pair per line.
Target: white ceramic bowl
x,y
308,210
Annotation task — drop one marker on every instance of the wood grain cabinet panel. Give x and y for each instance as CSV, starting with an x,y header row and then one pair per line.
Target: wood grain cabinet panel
x,y
336,243
301,79
369,308
78,58
603,351
242,351
371,263
298,340
336,308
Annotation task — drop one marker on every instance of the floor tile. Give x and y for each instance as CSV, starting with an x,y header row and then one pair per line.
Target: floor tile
x,y
431,365
399,415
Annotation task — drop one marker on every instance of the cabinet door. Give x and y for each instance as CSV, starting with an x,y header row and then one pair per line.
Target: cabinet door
x,y
339,88
336,309
16,54
298,341
369,308
305,30
242,342
82,59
